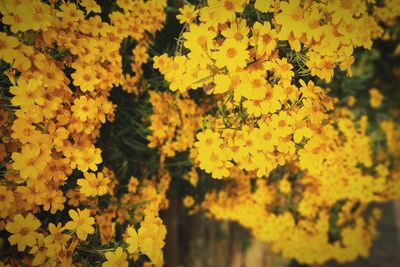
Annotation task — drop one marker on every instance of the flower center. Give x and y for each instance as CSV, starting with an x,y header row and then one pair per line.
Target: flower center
x,y
86,77
24,231
202,40
228,5
266,38
298,14
231,52
267,136
209,141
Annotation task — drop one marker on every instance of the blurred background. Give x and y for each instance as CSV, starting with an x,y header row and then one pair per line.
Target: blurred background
x,y
199,242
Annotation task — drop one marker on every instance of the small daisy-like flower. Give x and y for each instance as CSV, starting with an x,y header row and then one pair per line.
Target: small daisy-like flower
x,y
23,231
81,222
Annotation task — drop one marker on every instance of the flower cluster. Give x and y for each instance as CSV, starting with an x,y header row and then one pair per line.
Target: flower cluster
x,y
61,60
264,64
174,122
299,205
256,98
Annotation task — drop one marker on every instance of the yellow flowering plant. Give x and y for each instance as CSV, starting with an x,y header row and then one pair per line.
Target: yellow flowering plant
x,y
272,114
271,120
61,205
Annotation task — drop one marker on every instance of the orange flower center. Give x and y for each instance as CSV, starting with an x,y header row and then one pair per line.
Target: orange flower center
x,y
24,231
86,77
29,94
79,222
27,131
17,19
228,5
267,136
238,36
202,40
297,14
209,141
50,75
31,162
266,38
231,52
256,83
214,157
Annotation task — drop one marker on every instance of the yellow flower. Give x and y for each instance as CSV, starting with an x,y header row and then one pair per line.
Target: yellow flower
x,y
351,101
7,47
162,62
70,15
132,240
264,38
89,158
292,20
25,132
75,197
41,15
84,108
208,141
91,6
6,201
93,185
23,231
376,98
267,137
116,258
225,9
237,30
81,222
132,185
17,20
29,15
139,54
282,68
54,201
232,54
27,93
85,78
188,201
252,86
66,253
151,238
187,14
301,131
56,240
222,83
28,162
39,251
199,39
